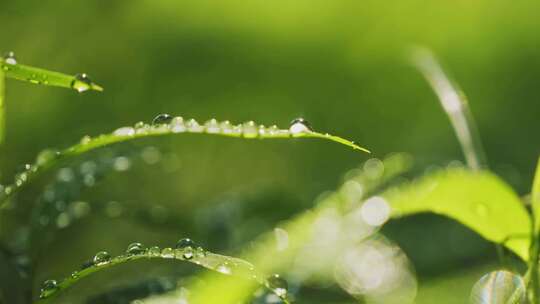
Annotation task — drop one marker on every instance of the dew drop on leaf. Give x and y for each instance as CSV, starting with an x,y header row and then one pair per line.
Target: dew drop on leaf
x,y
162,119
102,257
177,125
47,288
499,287
212,126
124,131
300,126
185,247
226,127
85,140
183,243
277,284
154,251
45,156
9,58
224,268
81,83
193,126
135,248
167,253
250,130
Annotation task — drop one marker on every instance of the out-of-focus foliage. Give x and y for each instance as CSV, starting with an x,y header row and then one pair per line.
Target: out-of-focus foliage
x,y
478,200
339,64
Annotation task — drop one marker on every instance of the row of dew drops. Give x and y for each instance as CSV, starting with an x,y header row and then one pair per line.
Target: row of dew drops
x,y
80,83
164,123
185,249
168,123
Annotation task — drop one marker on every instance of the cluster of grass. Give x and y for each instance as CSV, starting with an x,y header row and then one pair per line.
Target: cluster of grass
x,y
471,195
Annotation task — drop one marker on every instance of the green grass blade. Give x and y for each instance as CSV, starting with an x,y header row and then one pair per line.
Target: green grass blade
x,y
79,82
454,103
535,196
197,255
2,106
177,125
478,200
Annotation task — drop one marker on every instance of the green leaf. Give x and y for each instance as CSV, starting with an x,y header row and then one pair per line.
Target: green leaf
x,y
249,130
268,258
2,109
79,82
535,197
478,200
220,263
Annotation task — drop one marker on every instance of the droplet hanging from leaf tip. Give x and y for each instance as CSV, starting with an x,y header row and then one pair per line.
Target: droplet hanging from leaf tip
x,y
82,83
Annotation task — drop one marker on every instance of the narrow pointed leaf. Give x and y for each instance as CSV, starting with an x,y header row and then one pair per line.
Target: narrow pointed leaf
x,y
79,82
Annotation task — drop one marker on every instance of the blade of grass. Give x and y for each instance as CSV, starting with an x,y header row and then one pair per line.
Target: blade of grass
x,y
79,82
2,109
533,285
174,126
218,263
455,105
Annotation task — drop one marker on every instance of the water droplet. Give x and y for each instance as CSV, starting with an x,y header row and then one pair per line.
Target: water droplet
x,y
226,127
9,58
177,125
101,258
154,251
262,130
46,156
224,268
272,130
124,131
85,140
193,126
47,288
81,83
162,119
167,253
141,128
135,248
499,287
200,252
185,246
212,126
249,129
300,126
237,130
183,243
277,284
75,274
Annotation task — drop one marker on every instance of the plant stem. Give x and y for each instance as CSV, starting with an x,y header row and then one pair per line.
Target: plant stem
x,y
533,286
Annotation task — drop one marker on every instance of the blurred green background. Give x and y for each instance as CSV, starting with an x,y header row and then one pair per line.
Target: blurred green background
x,y
339,64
